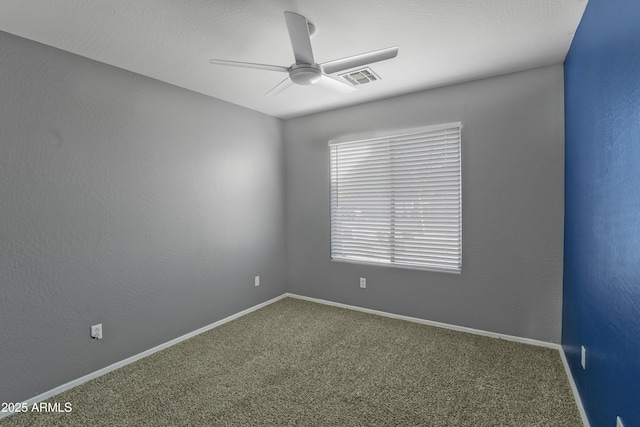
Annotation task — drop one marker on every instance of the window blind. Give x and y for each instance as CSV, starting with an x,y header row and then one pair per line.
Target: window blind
x,y
396,200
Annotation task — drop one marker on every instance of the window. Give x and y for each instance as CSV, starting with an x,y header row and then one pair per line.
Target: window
x,y
396,200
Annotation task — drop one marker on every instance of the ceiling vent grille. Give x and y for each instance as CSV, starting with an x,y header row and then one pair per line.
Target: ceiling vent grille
x,y
360,77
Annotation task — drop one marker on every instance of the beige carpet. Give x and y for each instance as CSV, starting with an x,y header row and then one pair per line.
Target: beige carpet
x,y
299,363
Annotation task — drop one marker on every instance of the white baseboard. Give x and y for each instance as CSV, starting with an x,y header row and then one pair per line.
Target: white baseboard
x,y
430,322
105,370
574,388
529,341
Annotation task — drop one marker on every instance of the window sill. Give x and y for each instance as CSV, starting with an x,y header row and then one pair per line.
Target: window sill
x,y
402,266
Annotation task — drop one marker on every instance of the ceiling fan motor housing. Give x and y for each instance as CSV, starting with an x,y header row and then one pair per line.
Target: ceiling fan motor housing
x,y
305,74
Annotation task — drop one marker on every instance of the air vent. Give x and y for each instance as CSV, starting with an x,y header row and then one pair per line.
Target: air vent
x,y
360,77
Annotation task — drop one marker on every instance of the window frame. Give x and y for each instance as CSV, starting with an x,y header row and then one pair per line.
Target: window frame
x,y
391,135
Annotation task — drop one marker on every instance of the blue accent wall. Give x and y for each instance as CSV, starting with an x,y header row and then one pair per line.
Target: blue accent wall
x,y
601,301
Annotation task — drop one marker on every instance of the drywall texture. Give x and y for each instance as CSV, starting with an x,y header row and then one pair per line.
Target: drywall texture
x,y
512,204
126,202
602,227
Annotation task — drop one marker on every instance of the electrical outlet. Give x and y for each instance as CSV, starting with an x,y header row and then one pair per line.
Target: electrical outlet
x,y
256,281
363,282
96,331
583,358
619,422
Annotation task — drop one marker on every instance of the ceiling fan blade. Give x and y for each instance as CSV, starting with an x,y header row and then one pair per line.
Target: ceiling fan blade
x,y
249,65
279,87
359,60
300,39
336,84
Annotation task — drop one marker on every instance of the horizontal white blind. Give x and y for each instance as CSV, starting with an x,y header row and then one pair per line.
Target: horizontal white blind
x,y
397,200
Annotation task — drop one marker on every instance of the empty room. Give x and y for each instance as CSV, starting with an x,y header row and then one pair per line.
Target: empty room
x,y
320,213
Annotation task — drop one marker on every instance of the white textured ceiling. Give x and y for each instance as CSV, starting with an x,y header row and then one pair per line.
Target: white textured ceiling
x,y
441,42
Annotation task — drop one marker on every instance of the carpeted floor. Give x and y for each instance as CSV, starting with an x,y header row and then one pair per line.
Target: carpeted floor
x,y
299,363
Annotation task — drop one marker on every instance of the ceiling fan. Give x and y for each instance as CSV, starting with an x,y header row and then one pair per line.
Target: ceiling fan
x,y
305,71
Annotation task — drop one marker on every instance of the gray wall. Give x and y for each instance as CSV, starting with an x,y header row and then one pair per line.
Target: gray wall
x,y
512,206
124,201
